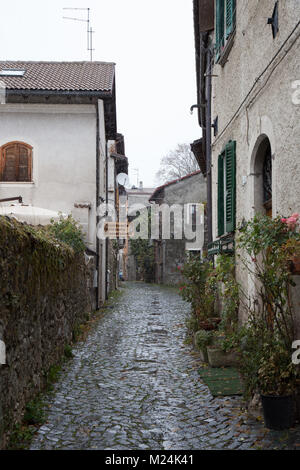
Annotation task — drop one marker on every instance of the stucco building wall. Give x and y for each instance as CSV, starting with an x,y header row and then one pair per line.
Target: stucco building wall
x,y
63,138
170,254
249,109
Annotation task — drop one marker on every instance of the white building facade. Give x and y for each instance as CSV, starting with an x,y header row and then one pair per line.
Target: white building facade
x,y
57,124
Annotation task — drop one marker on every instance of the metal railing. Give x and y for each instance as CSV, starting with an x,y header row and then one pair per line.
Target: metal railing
x,y
223,245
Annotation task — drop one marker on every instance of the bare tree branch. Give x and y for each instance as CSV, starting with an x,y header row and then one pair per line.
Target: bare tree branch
x,y
177,163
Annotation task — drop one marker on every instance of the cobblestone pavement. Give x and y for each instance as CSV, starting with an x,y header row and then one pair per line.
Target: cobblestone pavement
x,y
133,384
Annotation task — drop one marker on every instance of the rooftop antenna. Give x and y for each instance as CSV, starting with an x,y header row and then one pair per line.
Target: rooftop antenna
x,y
90,31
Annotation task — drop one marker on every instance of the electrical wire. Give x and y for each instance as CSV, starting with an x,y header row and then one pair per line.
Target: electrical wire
x,y
260,76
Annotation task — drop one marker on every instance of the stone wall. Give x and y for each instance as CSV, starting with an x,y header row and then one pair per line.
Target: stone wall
x,y
44,294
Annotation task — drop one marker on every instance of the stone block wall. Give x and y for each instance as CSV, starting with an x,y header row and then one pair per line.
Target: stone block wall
x,y
44,294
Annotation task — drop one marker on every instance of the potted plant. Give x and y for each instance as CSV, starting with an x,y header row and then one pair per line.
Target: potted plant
x,y
266,342
199,292
222,352
277,380
202,340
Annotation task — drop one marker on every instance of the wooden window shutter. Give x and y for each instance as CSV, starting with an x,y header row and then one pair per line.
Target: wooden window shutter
x,y
16,162
219,27
9,163
230,16
230,203
221,195
24,163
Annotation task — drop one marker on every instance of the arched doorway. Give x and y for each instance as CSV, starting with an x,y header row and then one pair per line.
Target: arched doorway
x,y
263,177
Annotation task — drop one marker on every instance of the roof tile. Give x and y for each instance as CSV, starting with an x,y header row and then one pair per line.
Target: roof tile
x,y
59,76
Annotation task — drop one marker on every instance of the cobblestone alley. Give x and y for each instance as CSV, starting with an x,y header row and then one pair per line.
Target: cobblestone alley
x,y
133,384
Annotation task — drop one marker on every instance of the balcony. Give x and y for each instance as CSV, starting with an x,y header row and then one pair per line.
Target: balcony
x,y
223,245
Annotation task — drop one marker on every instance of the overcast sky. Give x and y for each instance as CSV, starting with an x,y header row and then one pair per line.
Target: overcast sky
x,y
151,43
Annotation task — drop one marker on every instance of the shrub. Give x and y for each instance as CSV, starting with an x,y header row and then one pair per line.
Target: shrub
x,y
192,323
197,290
68,231
203,339
266,340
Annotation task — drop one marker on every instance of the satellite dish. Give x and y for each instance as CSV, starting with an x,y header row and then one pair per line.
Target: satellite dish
x,y
123,180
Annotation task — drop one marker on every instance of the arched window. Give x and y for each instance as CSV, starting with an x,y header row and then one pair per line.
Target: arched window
x,y
16,162
263,176
267,180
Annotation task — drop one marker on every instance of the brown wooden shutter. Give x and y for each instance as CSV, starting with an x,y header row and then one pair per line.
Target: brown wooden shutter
x,y
24,164
10,158
16,162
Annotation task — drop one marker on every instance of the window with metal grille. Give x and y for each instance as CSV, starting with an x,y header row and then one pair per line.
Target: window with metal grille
x,y
16,162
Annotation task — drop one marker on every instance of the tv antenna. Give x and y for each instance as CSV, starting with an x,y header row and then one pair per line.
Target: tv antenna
x,y
136,171
90,31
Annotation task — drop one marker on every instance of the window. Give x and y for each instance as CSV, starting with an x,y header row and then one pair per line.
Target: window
x,y
225,24
267,181
12,73
16,162
226,189
191,215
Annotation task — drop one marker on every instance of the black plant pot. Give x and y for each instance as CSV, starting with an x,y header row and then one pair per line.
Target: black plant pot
x,y
278,411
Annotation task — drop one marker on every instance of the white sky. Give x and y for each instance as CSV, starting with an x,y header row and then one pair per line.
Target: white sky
x,y
152,44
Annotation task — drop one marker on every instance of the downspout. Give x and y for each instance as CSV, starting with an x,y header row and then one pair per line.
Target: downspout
x,y
208,92
97,202
106,239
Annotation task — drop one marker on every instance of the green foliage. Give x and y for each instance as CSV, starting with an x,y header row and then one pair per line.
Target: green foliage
x,y
197,289
76,333
230,293
68,351
34,412
67,230
203,339
264,241
266,363
266,340
143,252
52,376
192,323
21,437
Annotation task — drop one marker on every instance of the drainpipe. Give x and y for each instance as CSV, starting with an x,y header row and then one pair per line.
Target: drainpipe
x,y
106,239
208,93
97,202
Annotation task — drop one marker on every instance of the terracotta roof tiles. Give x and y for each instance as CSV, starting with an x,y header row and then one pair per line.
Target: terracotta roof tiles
x,y
59,76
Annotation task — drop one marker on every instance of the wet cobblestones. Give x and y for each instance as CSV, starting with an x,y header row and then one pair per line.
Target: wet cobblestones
x,y
133,384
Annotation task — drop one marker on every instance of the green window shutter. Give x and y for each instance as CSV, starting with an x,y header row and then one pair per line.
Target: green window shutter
x,y
219,27
230,16
230,179
221,195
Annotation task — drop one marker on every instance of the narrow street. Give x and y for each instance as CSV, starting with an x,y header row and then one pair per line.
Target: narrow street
x,y
133,384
